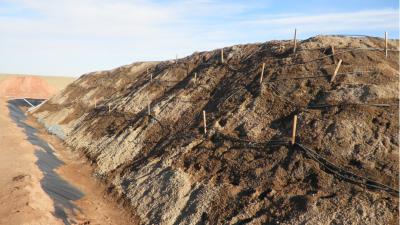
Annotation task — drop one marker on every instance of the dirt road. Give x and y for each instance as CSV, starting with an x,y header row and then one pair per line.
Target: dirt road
x,y
22,200
42,182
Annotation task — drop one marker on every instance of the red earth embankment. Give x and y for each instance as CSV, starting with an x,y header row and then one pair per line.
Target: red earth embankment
x,y
27,87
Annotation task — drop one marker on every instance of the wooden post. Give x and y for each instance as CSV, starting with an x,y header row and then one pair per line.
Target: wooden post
x,y
204,122
151,77
386,45
195,78
333,54
109,108
95,103
295,41
176,59
262,73
294,129
222,55
336,70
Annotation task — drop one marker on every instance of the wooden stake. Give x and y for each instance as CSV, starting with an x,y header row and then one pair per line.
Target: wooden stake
x,y
151,77
176,59
222,55
262,73
386,45
205,122
95,103
294,129
295,41
333,54
109,108
195,78
148,109
336,70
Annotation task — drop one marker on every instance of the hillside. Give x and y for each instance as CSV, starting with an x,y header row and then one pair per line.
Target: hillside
x,y
342,169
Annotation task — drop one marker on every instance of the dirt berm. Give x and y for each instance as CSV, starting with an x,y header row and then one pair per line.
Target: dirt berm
x,y
343,168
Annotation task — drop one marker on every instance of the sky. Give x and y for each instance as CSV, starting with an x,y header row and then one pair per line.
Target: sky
x,y
73,37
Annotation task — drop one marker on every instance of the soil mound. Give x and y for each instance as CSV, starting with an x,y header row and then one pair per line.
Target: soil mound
x,y
141,125
27,87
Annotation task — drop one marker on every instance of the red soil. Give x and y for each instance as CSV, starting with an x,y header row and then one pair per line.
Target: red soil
x,y
28,87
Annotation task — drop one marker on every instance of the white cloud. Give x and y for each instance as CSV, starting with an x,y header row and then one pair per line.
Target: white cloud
x,y
359,20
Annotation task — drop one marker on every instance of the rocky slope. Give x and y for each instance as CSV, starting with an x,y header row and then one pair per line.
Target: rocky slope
x,y
244,170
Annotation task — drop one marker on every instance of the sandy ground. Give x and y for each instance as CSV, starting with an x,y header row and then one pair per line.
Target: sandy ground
x,y
22,199
97,207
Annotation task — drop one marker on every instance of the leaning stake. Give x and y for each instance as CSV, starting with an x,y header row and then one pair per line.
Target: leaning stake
x,y
386,45
294,129
222,55
336,70
205,122
295,41
333,54
262,73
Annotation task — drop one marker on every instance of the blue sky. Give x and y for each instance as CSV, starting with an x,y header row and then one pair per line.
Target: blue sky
x,y
72,37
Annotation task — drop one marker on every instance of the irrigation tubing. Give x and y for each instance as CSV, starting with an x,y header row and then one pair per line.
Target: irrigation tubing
x,y
346,175
317,76
249,143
